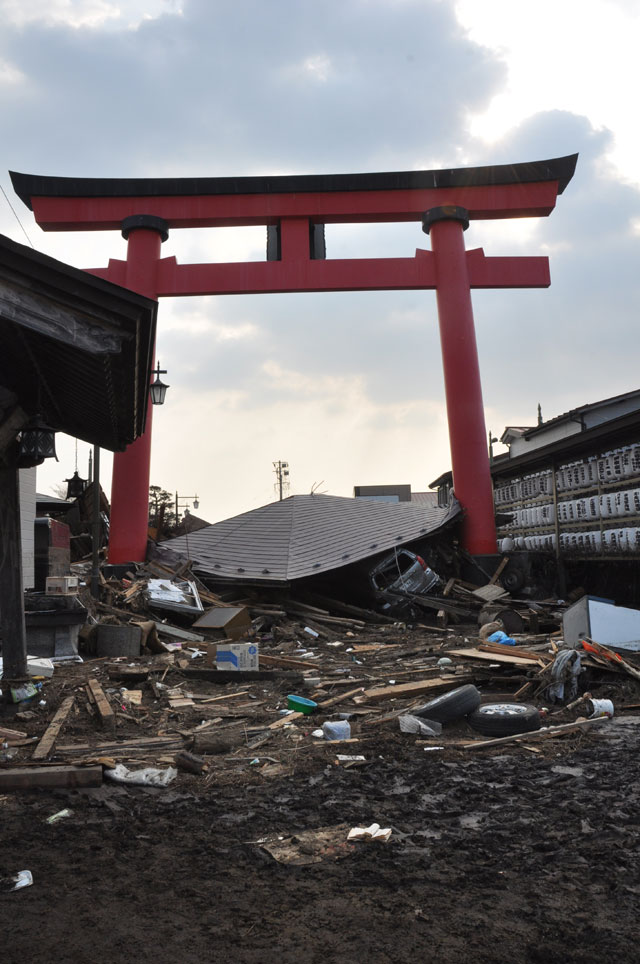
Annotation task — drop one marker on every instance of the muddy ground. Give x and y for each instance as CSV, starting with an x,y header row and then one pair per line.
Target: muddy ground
x,y
517,853
497,856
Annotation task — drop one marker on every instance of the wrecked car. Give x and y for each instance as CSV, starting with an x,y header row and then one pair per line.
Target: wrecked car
x,y
403,571
399,574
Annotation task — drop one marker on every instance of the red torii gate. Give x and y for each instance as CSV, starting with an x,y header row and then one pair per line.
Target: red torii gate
x,y
295,208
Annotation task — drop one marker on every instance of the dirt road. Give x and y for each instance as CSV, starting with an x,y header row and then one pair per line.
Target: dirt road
x,y
501,857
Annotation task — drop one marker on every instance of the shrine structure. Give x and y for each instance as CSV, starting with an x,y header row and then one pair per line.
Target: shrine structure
x,y
294,210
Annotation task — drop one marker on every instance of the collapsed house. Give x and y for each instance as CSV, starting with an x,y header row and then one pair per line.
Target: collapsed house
x,y
324,539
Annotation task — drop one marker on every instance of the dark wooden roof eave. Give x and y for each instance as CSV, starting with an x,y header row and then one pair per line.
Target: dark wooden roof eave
x,y
28,186
614,432
80,386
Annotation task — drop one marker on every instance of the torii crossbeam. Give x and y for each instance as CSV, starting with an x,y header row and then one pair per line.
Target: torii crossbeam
x,y
295,209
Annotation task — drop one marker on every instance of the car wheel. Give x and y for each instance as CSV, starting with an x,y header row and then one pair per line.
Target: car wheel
x,y
504,719
450,706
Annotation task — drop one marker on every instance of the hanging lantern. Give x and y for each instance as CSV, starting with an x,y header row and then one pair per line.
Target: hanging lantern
x,y
37,443
75,486
158,389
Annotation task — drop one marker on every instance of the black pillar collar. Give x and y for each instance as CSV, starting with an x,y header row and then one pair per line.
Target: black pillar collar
x,y
448,212
148,221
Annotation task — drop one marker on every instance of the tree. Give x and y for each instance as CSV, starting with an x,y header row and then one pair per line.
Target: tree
x,y
162,515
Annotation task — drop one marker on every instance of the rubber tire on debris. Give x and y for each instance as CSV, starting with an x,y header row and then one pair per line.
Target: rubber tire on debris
x,y
504,719
450,706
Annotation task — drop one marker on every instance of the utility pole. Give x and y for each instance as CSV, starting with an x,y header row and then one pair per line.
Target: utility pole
x,y
281,470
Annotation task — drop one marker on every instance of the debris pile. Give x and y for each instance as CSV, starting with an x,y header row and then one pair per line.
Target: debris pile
x,y
177,682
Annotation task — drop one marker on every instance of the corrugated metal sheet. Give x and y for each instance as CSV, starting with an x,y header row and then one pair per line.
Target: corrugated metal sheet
x,y
305,535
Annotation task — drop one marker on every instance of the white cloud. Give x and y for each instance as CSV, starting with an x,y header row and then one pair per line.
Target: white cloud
x,y
579,56
93,14
347,387
10,75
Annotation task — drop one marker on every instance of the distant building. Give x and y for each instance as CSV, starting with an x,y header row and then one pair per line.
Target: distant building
x,y
394,493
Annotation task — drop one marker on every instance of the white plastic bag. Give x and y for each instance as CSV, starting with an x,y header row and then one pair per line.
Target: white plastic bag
x,y
149,777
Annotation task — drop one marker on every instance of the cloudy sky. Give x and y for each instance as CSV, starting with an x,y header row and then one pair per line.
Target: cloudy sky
x,y
346,387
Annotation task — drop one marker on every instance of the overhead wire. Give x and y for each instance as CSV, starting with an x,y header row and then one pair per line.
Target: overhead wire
x,y
16,216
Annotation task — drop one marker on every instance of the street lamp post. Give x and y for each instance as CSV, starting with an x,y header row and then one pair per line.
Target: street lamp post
x,y
181,502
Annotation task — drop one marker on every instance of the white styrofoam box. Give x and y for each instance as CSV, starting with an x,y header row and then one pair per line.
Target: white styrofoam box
x,y
61,585
602,621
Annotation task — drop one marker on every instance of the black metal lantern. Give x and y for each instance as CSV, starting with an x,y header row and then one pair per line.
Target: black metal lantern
x,y
158,389
37,443
75,486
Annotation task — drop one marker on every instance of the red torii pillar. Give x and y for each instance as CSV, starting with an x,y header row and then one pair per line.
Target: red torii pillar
x,y
295,209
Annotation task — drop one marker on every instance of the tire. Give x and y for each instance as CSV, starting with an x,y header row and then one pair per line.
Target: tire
x,y
504,719
512,580
450,706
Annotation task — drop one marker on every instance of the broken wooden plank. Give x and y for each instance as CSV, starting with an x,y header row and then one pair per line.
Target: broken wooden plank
x,y
491,657
181,703
407,690
499,571
11,734
141,745
32,778
609,654
374,647
490,593
225,696
240,676
514,651
50,735
340,698
286,662
284,720
548,732
105,710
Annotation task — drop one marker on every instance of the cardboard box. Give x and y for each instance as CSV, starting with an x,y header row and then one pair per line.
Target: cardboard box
x,y
237,656
233,621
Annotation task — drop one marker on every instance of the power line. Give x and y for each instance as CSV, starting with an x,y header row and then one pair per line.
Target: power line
x,y
16,216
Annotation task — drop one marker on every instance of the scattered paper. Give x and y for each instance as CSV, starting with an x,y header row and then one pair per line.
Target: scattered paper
x,y
374,832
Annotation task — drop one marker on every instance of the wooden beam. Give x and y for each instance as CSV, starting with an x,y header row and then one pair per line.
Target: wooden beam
x,y
105,710
491,657
50,736
340,698
546,733
284,720
32,778
6,734
499,571
12,623
285,663
407,690
10,427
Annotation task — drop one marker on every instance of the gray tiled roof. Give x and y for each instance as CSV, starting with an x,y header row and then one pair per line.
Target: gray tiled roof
x,y
305,535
